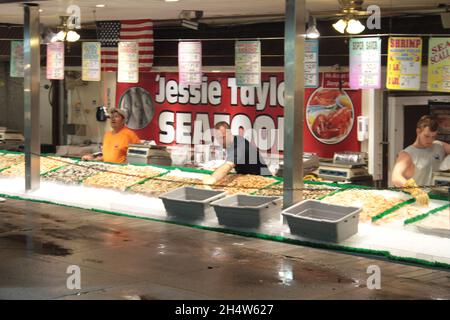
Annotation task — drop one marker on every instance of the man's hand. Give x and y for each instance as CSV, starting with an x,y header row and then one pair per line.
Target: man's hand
x,y
420,195
88,157
209,180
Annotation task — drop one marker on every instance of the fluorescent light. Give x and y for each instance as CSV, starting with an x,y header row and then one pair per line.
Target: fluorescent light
x,y
171,0
100,5
72,36
340,26
355,26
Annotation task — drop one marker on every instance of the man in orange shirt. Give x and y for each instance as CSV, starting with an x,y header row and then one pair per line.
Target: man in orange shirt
x,y
116,141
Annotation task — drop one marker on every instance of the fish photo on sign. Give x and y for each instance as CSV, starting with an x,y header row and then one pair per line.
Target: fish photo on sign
x,y
138,102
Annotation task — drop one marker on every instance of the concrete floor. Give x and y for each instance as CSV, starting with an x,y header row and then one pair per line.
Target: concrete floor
x,y
126,258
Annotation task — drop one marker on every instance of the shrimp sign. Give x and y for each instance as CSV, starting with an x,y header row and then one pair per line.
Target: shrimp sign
x,y
186,114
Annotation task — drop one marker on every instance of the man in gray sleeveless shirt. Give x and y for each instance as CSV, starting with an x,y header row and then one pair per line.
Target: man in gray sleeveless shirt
x,y
419,160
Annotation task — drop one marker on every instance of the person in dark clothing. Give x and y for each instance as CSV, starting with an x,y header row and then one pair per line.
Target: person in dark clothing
x,y
242,156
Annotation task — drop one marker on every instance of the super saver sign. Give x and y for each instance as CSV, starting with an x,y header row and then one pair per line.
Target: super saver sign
x,y
185,114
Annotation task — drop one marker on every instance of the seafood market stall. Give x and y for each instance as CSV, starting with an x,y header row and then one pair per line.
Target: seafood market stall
x,y
388,222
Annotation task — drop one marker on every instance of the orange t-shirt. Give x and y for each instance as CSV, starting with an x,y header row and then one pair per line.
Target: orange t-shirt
x,y
115,146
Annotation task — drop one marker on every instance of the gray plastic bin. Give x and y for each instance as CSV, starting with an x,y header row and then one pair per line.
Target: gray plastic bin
x,y
190,203
322,221
241,210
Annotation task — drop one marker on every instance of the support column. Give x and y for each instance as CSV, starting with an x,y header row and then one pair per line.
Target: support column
x,y
31,95
294,46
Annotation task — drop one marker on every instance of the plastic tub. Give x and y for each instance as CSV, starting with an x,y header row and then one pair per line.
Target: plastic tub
x,y
190,203
322,221
241,210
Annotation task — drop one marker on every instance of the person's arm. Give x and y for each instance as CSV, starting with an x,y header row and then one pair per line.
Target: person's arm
x,y
402,164
219,174
92,157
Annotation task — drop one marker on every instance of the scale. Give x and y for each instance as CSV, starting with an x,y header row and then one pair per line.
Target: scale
x,y
148,154
310,164
6,134
346,167
441,182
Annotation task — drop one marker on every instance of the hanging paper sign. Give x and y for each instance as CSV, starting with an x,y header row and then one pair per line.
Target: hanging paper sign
x,y
404,63
128,65
248,63
91,61
16,61
365,63
311,63
439,64
55,61
190,63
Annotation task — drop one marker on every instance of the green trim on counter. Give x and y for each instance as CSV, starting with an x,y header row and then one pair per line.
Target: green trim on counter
x,y
391,210
439,197
319,245
423,216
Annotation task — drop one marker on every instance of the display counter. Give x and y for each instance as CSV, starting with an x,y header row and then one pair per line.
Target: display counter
x,y
390,225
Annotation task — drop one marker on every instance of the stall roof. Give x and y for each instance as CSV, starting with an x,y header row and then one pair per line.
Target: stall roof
x,y
11,11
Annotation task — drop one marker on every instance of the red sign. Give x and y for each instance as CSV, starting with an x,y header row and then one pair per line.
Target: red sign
x,y
169,113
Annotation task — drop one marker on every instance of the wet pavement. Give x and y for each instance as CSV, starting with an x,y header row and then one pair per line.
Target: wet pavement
x,y
127,258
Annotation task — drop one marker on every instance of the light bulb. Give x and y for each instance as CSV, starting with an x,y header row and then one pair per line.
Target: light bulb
x,y
340,26
72,36
355,26
54,38
312,32
60,36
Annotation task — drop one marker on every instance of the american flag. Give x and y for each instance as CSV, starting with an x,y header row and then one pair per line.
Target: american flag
x,y
109,33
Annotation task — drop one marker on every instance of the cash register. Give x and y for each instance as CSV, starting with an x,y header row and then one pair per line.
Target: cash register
x,y
146,153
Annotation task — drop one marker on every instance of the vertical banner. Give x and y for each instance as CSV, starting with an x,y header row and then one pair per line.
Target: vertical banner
x,y
190,63
16,61
91,61
439,64
311,63
404,63
55,61
248,63
128,62
365,63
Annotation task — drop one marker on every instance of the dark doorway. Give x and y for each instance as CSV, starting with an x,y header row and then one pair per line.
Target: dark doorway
x,y
411,115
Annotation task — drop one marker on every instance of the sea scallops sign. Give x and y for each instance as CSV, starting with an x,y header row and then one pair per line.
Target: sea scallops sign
x,y
181,114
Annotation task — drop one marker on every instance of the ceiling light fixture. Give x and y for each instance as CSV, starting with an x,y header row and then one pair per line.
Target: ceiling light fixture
x,y
190,18
349,25
355,26
171,0
190,24
65,33
312,32
100,5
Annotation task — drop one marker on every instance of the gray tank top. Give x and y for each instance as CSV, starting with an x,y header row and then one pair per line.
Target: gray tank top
x,y
426,160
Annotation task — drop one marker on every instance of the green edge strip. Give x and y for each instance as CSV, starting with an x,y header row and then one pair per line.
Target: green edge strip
x,y
394,208
423,216
382,253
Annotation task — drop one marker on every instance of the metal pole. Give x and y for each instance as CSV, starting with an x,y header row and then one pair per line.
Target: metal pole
x,y
294,45
31,95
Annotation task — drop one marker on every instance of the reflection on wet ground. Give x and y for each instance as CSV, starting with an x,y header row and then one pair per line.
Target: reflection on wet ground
x,y
126,258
